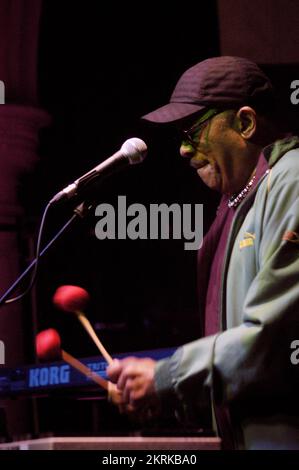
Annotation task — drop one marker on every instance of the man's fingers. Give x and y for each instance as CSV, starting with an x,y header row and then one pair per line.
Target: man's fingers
x,y
127,390
134,377
113,370
128,373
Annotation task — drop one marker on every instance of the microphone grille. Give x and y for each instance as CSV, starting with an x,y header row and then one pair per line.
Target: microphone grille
x,y
135,150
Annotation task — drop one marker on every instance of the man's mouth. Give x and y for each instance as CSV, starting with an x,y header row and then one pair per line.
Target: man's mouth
x,y
197,164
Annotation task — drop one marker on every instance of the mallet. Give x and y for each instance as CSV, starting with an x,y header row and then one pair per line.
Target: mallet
x,y
48,347
74,299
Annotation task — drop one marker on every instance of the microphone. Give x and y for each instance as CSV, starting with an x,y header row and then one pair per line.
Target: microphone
x,y
132,151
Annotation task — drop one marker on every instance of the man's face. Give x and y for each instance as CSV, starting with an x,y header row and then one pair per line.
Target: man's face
x,y
218,152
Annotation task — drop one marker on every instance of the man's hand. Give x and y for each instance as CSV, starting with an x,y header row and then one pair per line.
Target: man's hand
x,y
134,377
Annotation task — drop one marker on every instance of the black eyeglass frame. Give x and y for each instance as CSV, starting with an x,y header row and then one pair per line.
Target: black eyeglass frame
x,y
188,134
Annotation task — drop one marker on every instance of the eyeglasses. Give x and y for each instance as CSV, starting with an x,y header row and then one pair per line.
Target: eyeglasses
x,y
192,134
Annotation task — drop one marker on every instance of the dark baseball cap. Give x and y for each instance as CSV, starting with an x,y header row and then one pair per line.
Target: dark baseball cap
x,y
221,82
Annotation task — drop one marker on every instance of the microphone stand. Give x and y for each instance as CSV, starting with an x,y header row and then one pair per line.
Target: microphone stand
x,y
80,211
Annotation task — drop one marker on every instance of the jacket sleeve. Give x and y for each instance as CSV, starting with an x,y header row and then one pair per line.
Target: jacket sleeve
x,y
253,358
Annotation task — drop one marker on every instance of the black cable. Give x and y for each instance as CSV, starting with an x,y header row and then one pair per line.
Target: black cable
x,y
37,257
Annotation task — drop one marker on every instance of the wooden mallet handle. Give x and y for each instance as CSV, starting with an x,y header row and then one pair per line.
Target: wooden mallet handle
x,y
114,395
72,361
88,327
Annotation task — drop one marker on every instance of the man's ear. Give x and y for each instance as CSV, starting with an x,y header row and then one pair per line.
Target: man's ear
x,y
246,122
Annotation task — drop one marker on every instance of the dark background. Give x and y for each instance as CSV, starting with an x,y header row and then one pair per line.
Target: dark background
x,y
100,68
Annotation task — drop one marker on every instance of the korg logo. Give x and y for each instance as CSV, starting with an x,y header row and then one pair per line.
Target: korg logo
x,y
2,353
2,92
53,375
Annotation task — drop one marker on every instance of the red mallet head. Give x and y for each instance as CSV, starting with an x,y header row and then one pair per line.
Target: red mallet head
x,y
48,345
71,298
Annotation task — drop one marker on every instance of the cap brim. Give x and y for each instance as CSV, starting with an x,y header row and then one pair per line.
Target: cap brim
x,y
172,112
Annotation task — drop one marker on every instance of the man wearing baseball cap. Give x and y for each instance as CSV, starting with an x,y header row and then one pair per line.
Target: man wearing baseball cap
x,y
243,367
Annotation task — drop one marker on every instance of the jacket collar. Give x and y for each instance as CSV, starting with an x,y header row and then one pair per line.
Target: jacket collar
x,y
275,151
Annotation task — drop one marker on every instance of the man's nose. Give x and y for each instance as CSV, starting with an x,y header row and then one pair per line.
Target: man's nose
x,y
186,150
